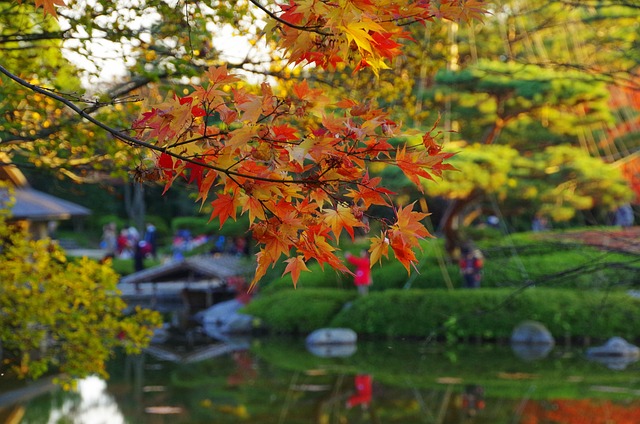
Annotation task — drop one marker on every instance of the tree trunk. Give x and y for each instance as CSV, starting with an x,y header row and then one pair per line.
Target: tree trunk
x,y
494,131
134,205
450,224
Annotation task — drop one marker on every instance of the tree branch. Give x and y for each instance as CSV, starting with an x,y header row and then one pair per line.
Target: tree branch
x,y
135,141
289,24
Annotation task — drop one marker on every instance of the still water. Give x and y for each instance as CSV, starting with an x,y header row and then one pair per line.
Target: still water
x,y
279,381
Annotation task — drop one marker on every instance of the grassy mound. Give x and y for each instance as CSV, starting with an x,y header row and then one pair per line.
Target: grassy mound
x,y
488,314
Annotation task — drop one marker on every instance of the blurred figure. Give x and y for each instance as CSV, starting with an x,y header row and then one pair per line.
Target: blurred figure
x,y
471,264
134,236
473,400
124,248
138,256
151,238
363,391
623,216
109,240
539,223
362,278
493,222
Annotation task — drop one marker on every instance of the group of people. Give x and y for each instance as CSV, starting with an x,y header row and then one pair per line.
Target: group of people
x,y
129,243
471,263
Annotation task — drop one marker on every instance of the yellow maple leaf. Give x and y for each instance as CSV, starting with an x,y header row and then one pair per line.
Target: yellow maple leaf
x,y
341,218
379,248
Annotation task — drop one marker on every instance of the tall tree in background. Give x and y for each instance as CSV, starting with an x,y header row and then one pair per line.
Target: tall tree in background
x,y
540,74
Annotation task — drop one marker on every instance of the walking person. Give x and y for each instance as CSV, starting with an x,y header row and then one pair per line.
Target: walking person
x,y
362,278
151,237
471,264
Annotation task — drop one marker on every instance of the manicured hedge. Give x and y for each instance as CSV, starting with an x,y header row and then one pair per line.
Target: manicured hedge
x,y
299,311
493,313
484,313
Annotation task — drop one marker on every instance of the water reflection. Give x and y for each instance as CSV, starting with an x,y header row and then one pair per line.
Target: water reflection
x,y
92,404
279,381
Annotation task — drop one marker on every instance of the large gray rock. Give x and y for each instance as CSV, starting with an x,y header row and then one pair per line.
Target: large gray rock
x,y
531,340
332,342
332,350
332,336
223,319
616,353
532,332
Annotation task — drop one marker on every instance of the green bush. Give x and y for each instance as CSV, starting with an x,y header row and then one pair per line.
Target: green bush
x,y
492,313
298,311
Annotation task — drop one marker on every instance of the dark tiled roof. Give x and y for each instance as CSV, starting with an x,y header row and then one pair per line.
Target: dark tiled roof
x,y
38,206
195,268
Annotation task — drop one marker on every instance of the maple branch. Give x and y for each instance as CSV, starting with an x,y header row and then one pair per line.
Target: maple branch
x,y
133,140
289,24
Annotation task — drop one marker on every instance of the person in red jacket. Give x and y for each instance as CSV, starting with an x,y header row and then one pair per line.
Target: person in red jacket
x,y
362,278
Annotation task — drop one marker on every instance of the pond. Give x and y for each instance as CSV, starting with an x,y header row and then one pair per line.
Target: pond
x,y
274,380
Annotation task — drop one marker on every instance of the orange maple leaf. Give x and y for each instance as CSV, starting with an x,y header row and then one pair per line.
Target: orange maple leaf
x,y
49,6
413,164
405,234
254,206
408,223
220,75
402,250
369,193
263,262
341,218
295,266
224,207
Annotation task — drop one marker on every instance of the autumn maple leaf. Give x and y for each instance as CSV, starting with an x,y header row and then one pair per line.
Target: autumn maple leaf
x,y
369,193
49,6
408,223
379,248
413,164
295,266
402,250
341,218
405,234
223,207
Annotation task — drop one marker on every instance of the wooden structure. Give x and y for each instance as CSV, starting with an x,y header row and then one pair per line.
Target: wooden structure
x,y
34,209
189,284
